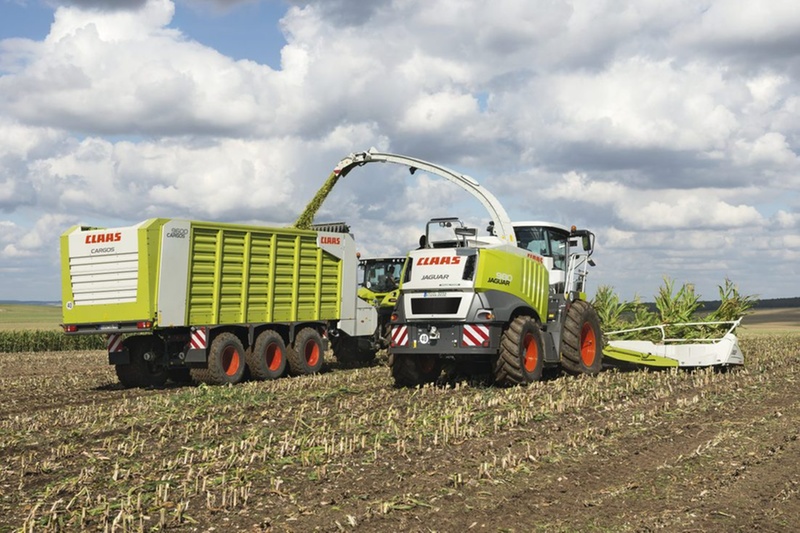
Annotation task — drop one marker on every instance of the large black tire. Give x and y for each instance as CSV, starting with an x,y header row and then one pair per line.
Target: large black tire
x,y
140,372
306,355
267,360
521,357
412,370
582,340
226,362
352,351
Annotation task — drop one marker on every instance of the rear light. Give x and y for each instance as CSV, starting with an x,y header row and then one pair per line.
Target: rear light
x,y
144,324
394,317
70,328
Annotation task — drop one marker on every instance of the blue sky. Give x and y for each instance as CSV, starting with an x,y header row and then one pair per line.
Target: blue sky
x,y
668,128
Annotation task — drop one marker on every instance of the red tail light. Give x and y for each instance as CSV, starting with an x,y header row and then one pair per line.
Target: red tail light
x,y
70,328
145,324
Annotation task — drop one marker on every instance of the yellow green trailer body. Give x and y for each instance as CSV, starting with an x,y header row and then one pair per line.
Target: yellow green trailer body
x,y
179,273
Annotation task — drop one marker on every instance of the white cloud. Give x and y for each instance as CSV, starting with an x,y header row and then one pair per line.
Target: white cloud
x,y
662,126
732,22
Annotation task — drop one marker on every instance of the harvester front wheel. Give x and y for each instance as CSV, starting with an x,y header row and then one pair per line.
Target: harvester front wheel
x,y
226,361
267,360
306,354
582,340
521,357
143,370
413,370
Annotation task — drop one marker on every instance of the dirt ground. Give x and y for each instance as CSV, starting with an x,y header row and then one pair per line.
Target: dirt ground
x,y
345,450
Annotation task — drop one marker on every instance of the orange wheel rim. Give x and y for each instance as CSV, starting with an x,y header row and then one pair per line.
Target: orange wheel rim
x,y
588,344
230,360
274,357
531,353
312,353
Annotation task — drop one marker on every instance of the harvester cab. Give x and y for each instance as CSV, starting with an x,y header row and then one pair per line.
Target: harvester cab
x,y
566,253
379,279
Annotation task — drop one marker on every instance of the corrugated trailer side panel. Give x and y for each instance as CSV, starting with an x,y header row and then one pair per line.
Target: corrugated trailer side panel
x,y
241,274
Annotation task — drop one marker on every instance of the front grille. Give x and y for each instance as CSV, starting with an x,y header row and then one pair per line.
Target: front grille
x,y
435,306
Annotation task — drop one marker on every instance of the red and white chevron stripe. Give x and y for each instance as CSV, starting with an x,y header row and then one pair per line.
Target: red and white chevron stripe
x,y
114,342
199,339
399,335
475,335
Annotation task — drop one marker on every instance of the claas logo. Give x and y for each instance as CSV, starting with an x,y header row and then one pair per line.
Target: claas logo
x,y
103,237
330,240
446,260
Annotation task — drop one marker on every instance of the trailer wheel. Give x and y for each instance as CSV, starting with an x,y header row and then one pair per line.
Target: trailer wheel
x,y
582,340
412,370
143,370
521,357
306,354
267,360
226,361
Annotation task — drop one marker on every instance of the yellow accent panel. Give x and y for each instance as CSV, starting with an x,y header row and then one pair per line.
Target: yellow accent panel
x,y
526,278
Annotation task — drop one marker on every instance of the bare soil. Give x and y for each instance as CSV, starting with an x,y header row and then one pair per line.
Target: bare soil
x,y
345,450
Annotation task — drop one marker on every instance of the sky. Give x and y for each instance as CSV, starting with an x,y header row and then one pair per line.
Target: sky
x,y
669,128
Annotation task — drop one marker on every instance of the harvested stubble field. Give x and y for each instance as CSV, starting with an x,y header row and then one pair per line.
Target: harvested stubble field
x,y
344,450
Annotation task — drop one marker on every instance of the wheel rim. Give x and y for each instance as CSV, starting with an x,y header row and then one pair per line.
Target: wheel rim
x,y
312,353
588,344
274,357
530,352
230,360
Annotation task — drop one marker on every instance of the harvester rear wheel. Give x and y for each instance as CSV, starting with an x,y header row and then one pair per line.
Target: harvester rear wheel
x,y
226,362
412,370
267,360
306,354
582,340
141,372
521,357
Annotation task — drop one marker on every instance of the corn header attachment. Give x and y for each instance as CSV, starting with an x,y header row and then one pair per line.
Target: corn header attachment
x,y
685,345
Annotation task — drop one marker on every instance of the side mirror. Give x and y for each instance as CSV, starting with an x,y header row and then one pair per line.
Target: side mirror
x,y
587,243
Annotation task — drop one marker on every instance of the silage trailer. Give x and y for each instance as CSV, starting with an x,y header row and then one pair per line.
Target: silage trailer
x,y
181,298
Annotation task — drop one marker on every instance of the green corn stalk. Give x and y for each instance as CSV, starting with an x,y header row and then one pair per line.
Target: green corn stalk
x,y
15,341
733,304
672,306
610,309
676,307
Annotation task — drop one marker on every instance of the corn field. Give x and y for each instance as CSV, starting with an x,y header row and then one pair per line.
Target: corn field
x,y
15,341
